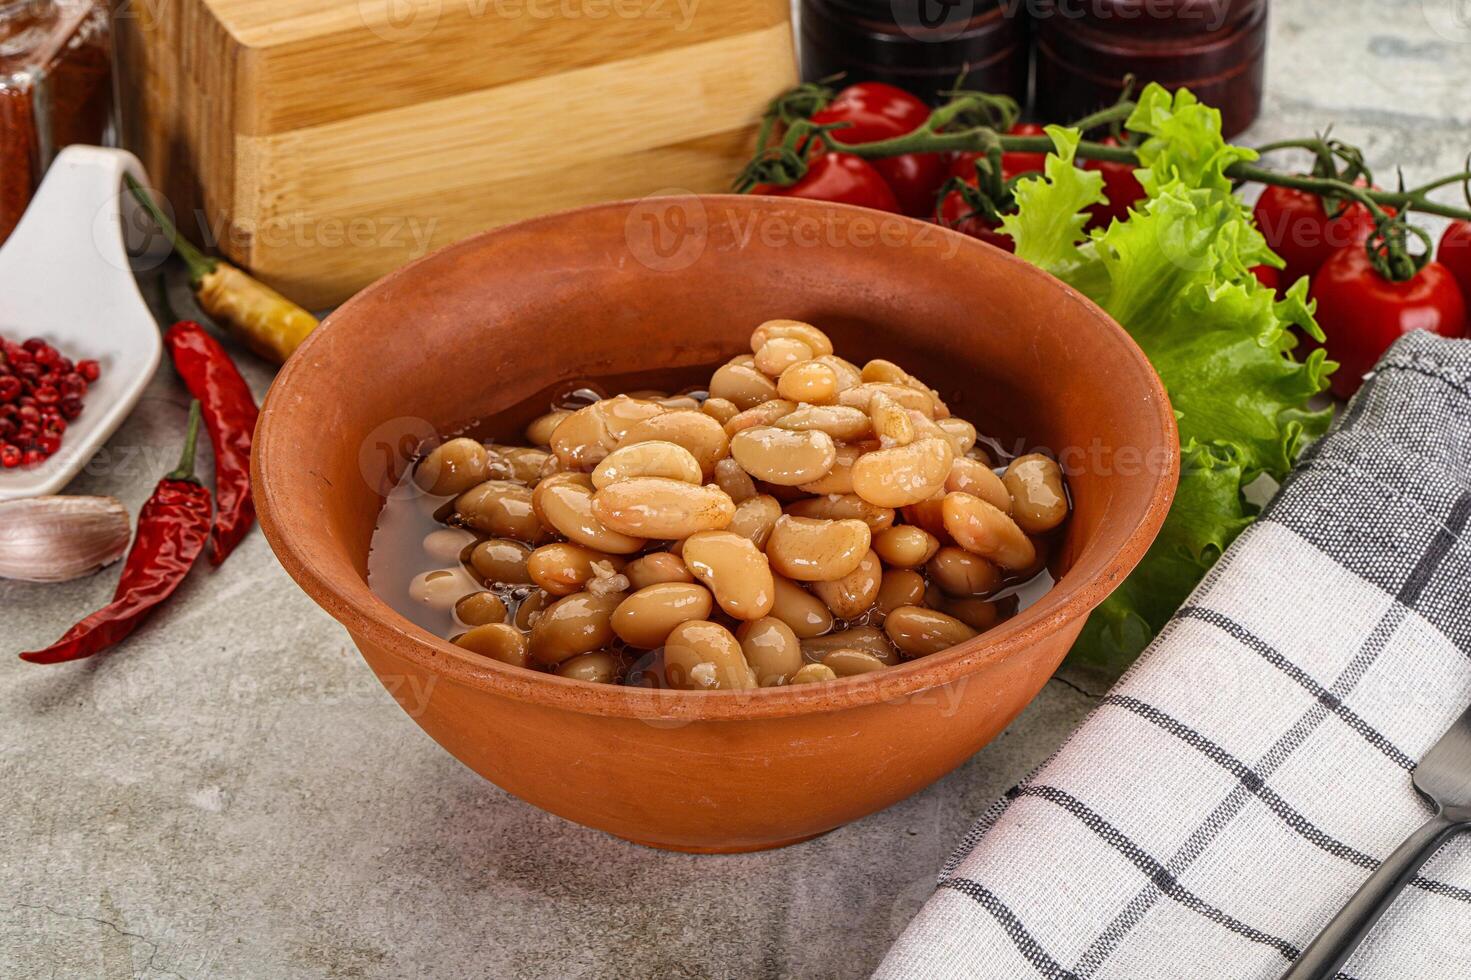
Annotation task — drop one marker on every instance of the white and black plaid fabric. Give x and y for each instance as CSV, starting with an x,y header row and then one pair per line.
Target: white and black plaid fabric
x,y
1247,775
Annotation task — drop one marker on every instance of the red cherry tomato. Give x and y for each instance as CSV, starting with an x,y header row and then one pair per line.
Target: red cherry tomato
x,y
840,178
1298,228
1455,254
963,165
953,214
875,111
1362,313
1268,276
1120,186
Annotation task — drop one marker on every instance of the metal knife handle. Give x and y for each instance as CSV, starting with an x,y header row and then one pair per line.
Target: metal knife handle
x,y
1338,940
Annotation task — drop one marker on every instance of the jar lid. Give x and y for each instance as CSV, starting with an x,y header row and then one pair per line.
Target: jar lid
x,y
932,14
1173,60
942,47
1150,18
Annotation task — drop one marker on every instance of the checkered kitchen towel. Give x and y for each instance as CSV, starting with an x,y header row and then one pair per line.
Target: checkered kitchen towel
x,y
1247,775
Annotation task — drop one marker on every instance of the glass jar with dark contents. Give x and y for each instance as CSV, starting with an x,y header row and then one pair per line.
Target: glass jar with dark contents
x,y
922,46
55,90
1215,48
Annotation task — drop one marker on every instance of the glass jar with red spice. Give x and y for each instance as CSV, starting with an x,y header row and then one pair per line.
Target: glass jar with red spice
x,y
55,90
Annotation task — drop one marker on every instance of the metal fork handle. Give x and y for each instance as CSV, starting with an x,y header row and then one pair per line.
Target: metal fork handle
x,y
1338,940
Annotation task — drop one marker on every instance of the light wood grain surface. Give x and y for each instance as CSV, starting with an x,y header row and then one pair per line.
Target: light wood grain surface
x,y
323,145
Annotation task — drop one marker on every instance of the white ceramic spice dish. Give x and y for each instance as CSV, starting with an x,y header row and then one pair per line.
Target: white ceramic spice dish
x,y
65,277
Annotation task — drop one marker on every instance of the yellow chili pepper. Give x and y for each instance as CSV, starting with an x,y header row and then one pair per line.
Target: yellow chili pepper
x,y
267,322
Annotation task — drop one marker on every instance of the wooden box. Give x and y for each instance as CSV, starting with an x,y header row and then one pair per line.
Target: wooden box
x,y
323,143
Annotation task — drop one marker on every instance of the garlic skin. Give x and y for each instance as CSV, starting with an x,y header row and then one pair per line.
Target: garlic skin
x,y
59,538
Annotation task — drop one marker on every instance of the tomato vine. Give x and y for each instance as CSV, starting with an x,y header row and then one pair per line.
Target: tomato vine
x,y
977,123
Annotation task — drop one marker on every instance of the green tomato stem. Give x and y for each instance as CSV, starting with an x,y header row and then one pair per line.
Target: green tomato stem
x,y
1104,117
980,139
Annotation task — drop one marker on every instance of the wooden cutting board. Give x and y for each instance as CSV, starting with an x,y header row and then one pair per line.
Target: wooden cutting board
x,y
323,143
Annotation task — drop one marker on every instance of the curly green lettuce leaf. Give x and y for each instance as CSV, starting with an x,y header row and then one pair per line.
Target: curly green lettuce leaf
x,y
1207,515
1183,143
1176,274
1219,339
1055,208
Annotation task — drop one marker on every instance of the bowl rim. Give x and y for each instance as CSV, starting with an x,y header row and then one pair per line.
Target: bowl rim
x,y
375,622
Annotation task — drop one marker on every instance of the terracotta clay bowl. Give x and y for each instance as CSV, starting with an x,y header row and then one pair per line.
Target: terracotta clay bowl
x,y
671,287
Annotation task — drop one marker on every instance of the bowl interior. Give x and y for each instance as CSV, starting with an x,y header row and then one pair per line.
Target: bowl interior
x,y
477,329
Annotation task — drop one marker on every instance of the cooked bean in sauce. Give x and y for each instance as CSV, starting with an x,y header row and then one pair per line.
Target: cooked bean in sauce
x,y
798,520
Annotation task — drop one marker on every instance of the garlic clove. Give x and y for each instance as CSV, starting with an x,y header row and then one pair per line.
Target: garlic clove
x,y
59,538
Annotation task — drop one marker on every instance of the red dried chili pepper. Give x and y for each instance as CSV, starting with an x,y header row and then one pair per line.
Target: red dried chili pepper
x,y
229,415
172,527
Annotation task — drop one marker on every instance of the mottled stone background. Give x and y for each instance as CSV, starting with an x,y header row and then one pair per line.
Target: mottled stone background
x,y
233,795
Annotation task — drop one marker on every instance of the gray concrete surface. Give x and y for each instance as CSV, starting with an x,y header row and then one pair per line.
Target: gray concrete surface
x,y
233,794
